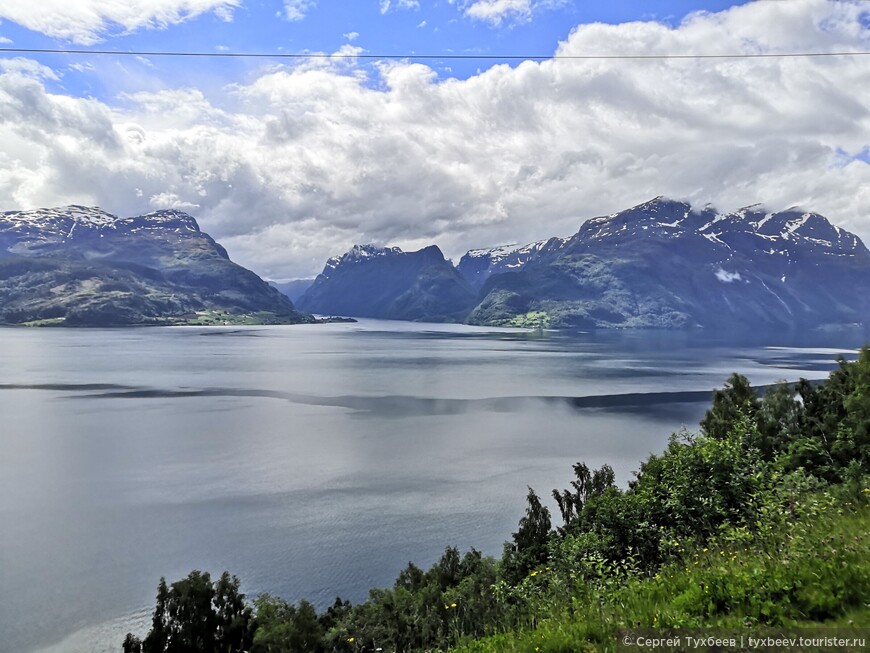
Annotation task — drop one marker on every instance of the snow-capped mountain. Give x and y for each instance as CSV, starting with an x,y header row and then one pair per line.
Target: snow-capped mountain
x,y
477,265
359,254
81,265
57,226
750,227
662,263
370,281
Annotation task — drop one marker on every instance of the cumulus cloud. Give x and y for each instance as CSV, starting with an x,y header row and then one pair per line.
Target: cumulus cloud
x,y
297,9
497,12
87,21
298,163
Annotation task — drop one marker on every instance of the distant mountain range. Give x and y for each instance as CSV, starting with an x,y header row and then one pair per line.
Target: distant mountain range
x,y
82,266
660,264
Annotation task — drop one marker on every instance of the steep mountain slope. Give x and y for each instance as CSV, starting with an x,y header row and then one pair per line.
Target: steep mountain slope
x,y
388,283
665,264
82,266
477,265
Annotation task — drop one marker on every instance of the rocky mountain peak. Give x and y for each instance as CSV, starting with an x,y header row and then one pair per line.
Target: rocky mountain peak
x,y
84,266
660,217
166,220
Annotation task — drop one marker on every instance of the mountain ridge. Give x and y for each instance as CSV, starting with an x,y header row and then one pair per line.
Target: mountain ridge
x,y
666,264
83,266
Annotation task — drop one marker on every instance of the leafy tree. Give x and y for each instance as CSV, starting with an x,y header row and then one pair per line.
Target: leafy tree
x,y
287,628
132,644
779,417
587,484
196,616
529,546
234,619
736,399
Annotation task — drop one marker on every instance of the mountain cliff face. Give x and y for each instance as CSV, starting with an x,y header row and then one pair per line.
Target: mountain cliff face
x,y
388,283
479,264
665,264
661,264
82,266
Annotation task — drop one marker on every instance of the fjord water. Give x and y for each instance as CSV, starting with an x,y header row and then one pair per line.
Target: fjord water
x,y
312,460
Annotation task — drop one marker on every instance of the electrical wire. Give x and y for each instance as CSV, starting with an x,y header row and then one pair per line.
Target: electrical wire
x,y
446,57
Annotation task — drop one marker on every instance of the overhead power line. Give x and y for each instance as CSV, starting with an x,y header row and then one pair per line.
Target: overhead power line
x,y
429,57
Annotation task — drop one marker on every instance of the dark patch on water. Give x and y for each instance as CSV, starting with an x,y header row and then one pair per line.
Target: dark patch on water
x,y
380,406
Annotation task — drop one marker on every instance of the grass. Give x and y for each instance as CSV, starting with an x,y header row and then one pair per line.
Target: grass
x,y
54,321
814,572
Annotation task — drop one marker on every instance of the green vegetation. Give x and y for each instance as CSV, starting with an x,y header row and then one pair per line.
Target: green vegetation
x,y
226,318
532,320
758,520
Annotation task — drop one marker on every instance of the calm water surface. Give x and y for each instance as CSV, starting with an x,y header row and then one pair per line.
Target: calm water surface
x,y
312,460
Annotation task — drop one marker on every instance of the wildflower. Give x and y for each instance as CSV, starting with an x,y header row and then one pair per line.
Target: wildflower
x,y
534,573
452,605
350,640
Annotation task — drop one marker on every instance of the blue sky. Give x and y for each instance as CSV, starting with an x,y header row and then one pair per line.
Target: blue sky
x,y
289,162
374,26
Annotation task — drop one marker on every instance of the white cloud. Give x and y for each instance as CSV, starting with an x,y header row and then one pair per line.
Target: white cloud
x,y
299,163
297,9
497,12
386,5
351,36
170,201
82,67
728,277
88,21
5,41
421,24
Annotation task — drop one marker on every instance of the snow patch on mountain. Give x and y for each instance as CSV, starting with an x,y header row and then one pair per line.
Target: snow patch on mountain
x,y
66,223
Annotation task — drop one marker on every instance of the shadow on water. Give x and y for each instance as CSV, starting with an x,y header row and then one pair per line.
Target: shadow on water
x,y
399,406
